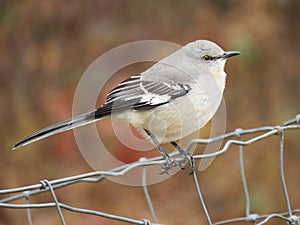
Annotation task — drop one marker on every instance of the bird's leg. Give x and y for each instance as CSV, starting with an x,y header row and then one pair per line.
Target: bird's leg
x,y
170,163
184,154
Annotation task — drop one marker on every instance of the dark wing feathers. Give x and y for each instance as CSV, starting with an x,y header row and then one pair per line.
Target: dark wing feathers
x,y
127,86
139,94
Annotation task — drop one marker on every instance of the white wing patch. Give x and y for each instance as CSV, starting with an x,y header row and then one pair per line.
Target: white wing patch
x,y
153,99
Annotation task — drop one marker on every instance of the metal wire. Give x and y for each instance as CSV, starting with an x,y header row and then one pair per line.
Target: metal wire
x,y
243,175
260,133
146,193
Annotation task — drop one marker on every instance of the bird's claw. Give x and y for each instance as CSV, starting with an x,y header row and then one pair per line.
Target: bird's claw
x,y
185,157
169,164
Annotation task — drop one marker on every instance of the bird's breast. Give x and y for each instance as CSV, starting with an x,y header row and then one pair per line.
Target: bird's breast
x,y
176,119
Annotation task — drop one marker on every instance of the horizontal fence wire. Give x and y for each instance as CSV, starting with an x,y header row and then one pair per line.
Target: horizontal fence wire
x,y
291,215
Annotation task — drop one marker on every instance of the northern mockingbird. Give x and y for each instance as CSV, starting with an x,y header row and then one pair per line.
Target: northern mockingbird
x,y
172,99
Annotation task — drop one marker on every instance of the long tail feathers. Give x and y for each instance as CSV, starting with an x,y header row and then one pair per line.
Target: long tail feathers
x,y
68,124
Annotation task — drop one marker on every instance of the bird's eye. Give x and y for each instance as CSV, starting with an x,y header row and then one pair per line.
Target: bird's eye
x,y
207,58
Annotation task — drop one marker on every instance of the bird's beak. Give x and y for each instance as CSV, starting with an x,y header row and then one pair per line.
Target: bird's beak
x,y
230,54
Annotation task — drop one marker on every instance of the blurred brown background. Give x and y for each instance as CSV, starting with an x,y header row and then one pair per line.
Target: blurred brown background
x,y
45,46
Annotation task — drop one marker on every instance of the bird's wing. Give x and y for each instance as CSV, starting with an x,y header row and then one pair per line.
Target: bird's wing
x,y
138,94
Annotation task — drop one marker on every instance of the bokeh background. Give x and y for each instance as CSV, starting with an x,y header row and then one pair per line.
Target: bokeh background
x,y
45,46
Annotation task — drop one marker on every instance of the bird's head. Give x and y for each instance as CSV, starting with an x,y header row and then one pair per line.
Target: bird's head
x,y
209,55
209,59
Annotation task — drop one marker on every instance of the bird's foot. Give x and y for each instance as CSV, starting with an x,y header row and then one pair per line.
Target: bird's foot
x,y
170,163
185,156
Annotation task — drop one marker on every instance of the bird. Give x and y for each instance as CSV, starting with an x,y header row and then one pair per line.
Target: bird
x,y
173,98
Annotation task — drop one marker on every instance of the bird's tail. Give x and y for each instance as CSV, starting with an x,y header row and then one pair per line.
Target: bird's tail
x,y
68,124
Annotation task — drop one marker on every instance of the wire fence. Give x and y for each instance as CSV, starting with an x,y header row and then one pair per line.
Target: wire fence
x,y
291,215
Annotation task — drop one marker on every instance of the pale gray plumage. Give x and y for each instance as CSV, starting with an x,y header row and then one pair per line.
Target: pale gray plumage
x,y
175,97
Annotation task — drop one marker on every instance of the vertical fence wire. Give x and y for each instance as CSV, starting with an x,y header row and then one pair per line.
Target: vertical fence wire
x,y
286,195
243,175
28,212
199,194
147,196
